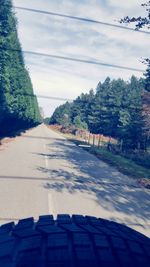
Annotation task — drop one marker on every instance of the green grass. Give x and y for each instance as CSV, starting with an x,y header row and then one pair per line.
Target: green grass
x,y
124,165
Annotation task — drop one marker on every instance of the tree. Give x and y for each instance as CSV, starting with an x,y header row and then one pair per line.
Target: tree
x,y
61,114
139,21
147,76
146,114
19,106
114,110
47,121
80,124
104,117
130,130
82,106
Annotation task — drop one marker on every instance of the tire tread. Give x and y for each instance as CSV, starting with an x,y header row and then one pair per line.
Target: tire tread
x,y
72,241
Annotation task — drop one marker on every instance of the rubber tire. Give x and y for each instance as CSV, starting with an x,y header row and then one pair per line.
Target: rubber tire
x,y
71,241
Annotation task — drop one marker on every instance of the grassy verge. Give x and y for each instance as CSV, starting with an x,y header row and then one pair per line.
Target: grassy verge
x,y
124,165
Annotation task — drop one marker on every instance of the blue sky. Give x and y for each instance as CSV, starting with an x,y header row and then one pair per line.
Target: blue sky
x,y
60,36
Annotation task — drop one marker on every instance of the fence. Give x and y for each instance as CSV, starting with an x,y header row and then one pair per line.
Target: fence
x,y
97,140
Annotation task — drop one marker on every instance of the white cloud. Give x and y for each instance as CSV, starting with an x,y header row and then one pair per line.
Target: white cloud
x,y
55,35
125,5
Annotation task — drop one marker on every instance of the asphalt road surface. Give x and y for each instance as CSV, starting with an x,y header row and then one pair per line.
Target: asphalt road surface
x,y
41,173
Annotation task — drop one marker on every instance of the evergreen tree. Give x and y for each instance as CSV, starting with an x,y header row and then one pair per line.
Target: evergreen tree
x,y
146,102
130,129
140,22
19,107
147,76
114,110
60,113
79,124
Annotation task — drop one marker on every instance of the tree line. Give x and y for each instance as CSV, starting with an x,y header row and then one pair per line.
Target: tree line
x,y
18,105
116,108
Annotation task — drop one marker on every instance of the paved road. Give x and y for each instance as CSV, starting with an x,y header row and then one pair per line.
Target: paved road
x,y
41,172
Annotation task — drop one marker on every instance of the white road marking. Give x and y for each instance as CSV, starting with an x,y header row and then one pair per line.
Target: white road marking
x,y
50,199
45,157
50,204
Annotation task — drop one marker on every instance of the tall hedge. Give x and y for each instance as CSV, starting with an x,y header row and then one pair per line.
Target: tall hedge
x,y
18,105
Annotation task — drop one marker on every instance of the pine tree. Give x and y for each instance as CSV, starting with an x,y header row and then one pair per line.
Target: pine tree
x,y
19,107
139,21
115,110
146,103
147,76
60,112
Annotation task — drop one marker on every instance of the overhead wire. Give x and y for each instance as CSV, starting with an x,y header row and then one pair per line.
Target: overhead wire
x,y
55,98
105,64
88,20
70,58
74,59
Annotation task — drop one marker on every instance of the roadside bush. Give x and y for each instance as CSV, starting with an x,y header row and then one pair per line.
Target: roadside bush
x,y
141,159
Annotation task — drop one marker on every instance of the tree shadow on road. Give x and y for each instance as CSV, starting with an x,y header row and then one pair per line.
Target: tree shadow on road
x,y
112,190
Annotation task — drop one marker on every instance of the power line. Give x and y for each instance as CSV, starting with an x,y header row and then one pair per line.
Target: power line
x,y
45,97
54,98
75,59
79,19
50,97
72,100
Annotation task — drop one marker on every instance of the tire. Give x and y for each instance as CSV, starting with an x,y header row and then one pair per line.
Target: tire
x,y
72,241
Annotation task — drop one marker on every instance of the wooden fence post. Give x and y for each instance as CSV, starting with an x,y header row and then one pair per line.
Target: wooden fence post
x,y
89,139
99,140
93,139
121,145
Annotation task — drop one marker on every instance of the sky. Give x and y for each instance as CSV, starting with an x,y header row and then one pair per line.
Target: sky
x,y
65,37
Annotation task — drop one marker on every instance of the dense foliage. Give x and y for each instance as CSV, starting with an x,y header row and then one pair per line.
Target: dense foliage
x,y
140,22
115,109
18,105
